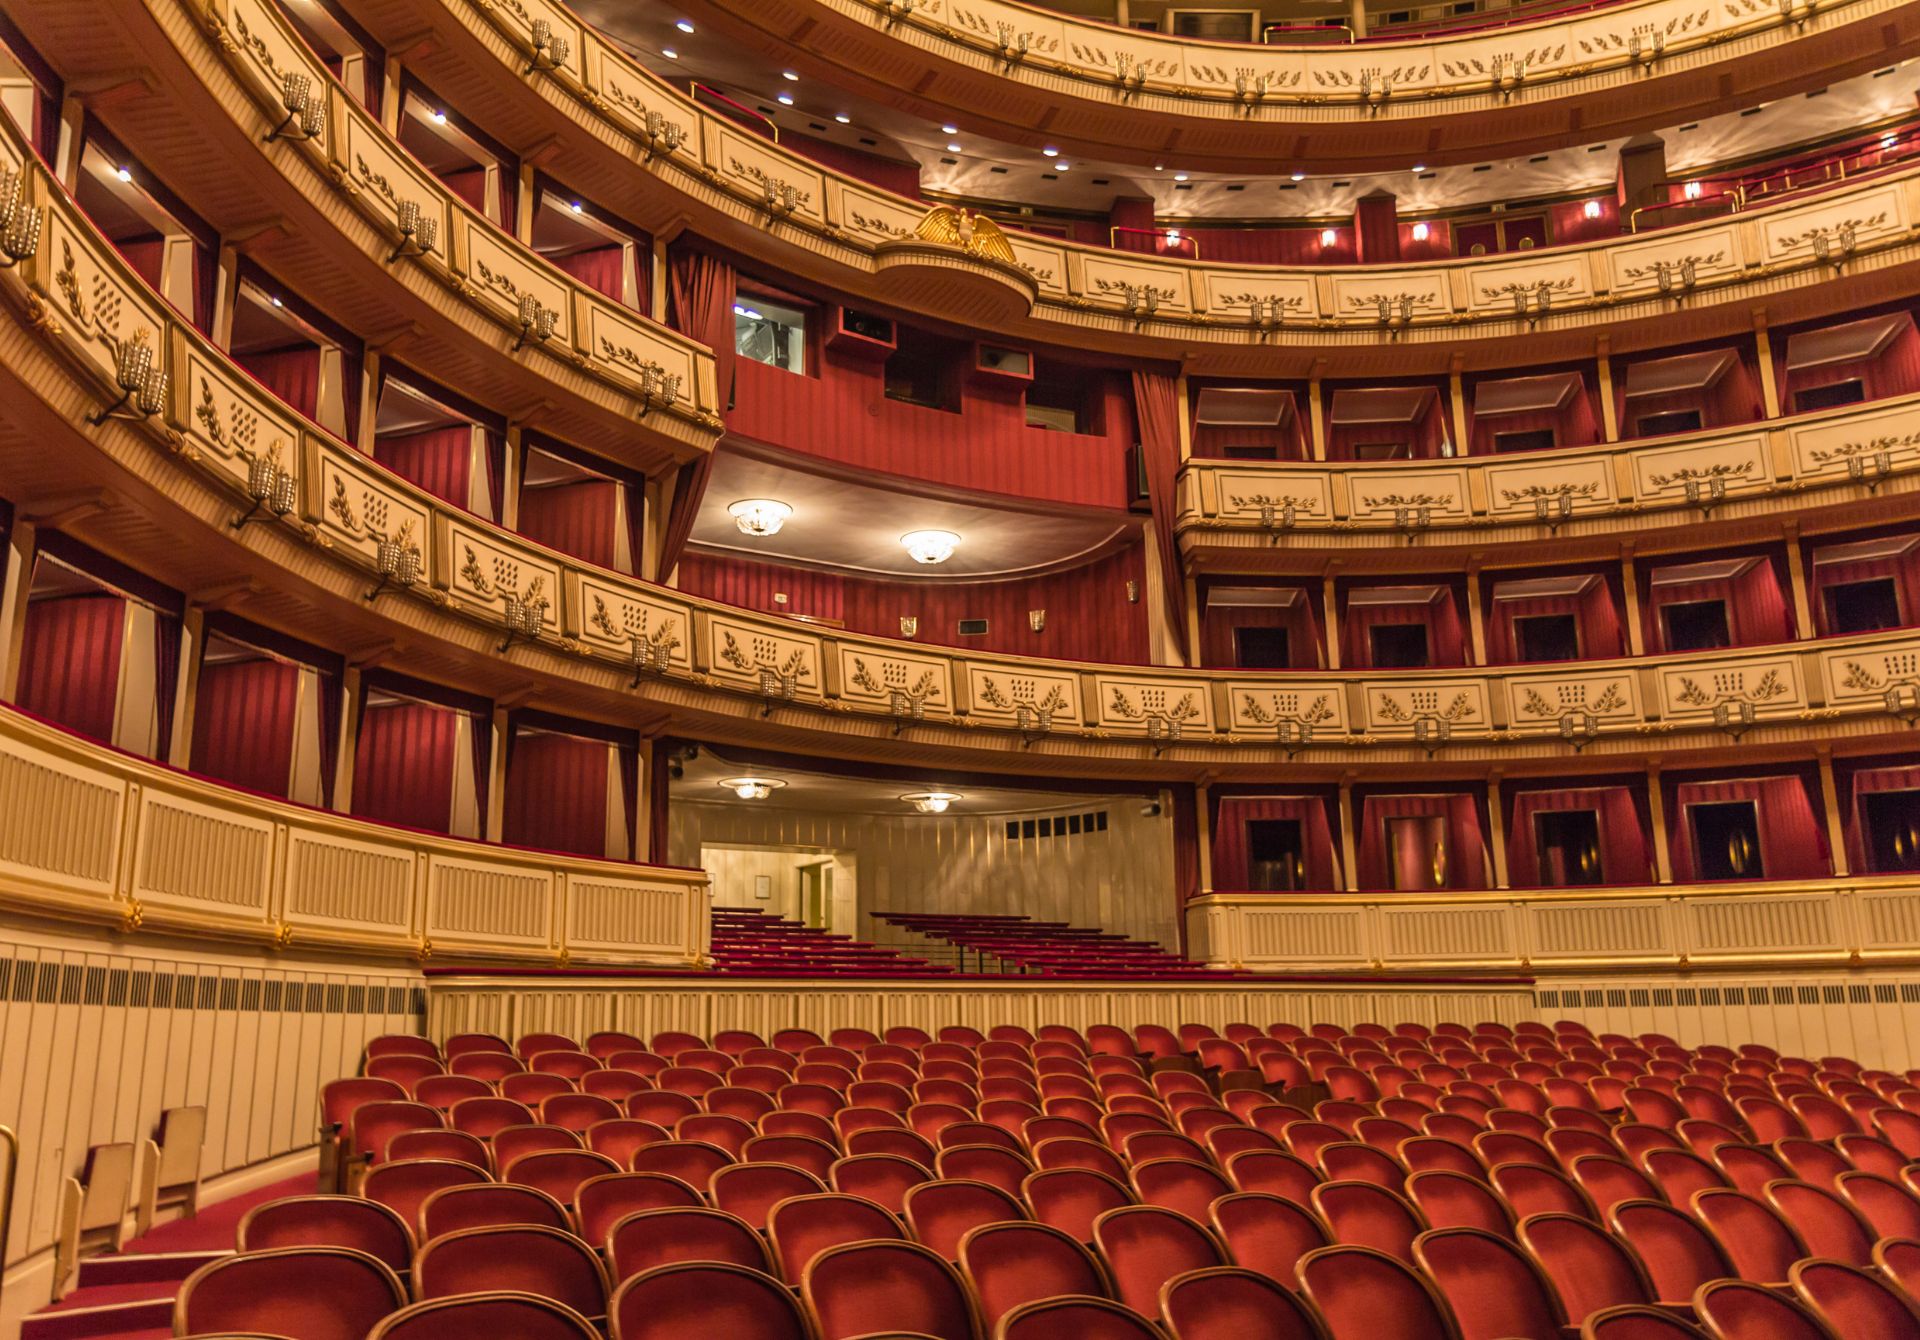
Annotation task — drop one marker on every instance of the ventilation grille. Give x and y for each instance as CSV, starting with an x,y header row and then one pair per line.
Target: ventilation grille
x,y
1056,826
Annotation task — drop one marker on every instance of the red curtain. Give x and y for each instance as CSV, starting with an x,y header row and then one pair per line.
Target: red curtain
x,y
1624,856
1156,409
1089,617
1895,372
1440,617
1423,437
576,519
145,255
660,782
244,721
1231,846
889,174
70,661
470,184
1211,440
403,766
1756,607
1904,569
557,793
1593,611
1868,782
1186,848
603,269
702,290
1257,246
1793,840
439,460
1466,848
1376,229
1301,620
292,375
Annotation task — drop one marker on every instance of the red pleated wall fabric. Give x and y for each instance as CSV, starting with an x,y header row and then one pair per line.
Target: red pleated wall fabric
x,y
1446,646
557,793
1865,783
1624,855
403,767
1156,408
1231,847
603,270
1793,840
1301,620
577,519
70,661
702,288
1466,866
439,460
1903,570
1593,612
292,375
243,724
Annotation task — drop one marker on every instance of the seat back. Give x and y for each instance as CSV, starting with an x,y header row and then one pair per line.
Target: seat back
x,y
803,1226
403,1186
749,1190
329,1221
1853,1301
314,1293
1071,1199
883,1179
1827,1225
1011,1264
942,1213
520,1315
1637,1321
545,1262
991,1164
1273,1170
1753,1236
1588,1267
601,1202
1267,1233
1144,1246
1454,1200
1179,1184
860,1288
1363,1294
692,1161
648,1239
558,1172
1369,1216
1678,1252
485,1204
1084,1318
1742,1310
1229,1303
1493,1287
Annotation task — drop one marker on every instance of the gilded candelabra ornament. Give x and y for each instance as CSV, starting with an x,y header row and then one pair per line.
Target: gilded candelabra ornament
x,y
418,230
396,559
306,117
143,387
20,222
537,322
271,488
550,50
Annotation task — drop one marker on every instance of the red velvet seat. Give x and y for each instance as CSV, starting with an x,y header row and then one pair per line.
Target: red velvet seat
x,y
577,1111
301,1293
1889,1208
1179,1184
1742,1310
648,1239
1228,1303
406,1070
401,1044
541,1261
614,1085
1608,1181
881,1178
1362,1294
859,1288
1826,1224
1494,1289
1752,1234
1084,1318
486,1117
602,1202
1530,1189
1275,1171
461,1044
1071,1199
534,1089
329,1221
1854,1302
749,1190
1638,1322
1010,1264
908,1145
692,1161
485,1204
1589,1268
373,1124
516,1142
803,1226
1144,1246
607,1043
713,1128
456,1145
1267,1233
1366,1215
941,1213
522,1316
403,1187
1453,1200
620,1137
804,1152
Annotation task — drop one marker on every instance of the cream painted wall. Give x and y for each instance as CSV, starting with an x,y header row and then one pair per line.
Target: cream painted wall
x,y
1121,879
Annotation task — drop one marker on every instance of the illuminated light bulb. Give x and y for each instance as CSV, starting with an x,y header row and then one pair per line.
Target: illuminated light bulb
x,y
1299,176
953,148
1591,209
575,207
438,117
949,130
785,99
1063,167
1051,152
930,546
684,25
1179,176
669,53
124,174
1691,190
790,76
1328,237
932,802
759,517
1420,232
752,788
843,118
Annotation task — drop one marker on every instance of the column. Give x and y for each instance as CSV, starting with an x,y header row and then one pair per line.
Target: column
x,y
1316,418
1830,801
1349,822
1330,615
1763,349
1609,412
643,802
1630,593
13,605
186,688
1657,816
1203,835
1497,834
496,818
1357,18
1797,581
1476,617
348,746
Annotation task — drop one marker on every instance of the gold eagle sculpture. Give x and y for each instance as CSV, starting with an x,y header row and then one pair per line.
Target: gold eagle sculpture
x,y
973,233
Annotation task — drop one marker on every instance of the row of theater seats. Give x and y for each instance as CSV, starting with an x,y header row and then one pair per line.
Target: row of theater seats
x,y
1052,948
1161,1181
767,946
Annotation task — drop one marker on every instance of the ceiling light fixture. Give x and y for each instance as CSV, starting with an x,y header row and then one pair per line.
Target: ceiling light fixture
x,y
747,312
752,788
932,802
1051,152
930,546
276,302
669,53
790,76
843,118
785,99
1062,167
1419,167
953,148
1299,176
575,207
1179,176
949,130
684,25
759,517
124,174
438,117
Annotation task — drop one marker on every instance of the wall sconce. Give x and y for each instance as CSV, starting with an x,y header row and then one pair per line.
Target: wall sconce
x,y
1676,279
418,232
272,489
1832,248
143,387
549,52
646,657
661,136
909,625
1870,469
1133,592
1410,521
19,222
1293,735
1734,716
1590,210
1903,702
1430,733
892,11
1375,88
1644,47
1129,74
537,322
776,688
397,560
296,95
1552,512
1037,620
1706,494
659,389
1032,722
1274,519
1578,728
522,619
1395,313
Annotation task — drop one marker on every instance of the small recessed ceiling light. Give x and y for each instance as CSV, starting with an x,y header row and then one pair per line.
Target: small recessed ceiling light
x,y
669,53
1299,176
1051,152
843,118
575,207
1159,167
790,75
439,117
1179,176
1063,167
949,130
124,174
953,148
276,302
1419,167
685,25
785,99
